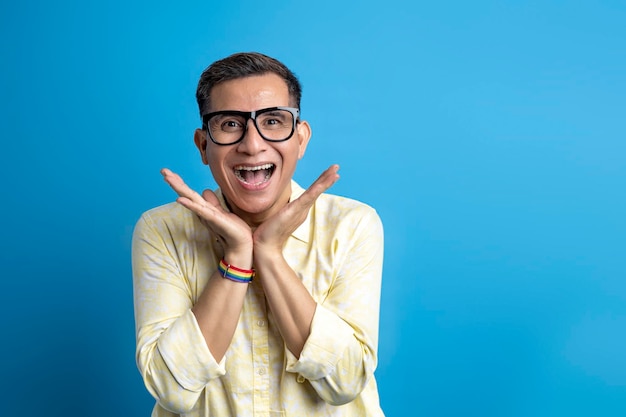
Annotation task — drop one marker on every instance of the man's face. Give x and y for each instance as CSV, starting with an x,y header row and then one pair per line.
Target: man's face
x,y
254,174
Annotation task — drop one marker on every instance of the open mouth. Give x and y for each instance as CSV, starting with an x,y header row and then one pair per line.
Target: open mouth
x,y
254,175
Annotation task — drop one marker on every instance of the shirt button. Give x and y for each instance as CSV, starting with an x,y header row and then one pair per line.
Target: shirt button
x,y
261,371
260,323
300,379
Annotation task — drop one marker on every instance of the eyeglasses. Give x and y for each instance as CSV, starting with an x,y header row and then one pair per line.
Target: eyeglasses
x,y
274,124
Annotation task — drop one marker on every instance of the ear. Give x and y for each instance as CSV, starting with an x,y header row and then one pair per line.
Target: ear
x,y
200,139
304,134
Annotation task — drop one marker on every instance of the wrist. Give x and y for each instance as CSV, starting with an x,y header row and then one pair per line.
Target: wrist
x,y
267,255
240,259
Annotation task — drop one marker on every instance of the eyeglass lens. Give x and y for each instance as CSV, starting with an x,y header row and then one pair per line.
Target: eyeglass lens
x,y
274,125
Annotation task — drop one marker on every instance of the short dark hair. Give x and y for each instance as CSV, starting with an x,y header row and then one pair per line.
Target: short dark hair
x,y
241,65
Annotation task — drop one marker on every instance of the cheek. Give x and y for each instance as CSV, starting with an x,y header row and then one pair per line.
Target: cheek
x,y
215,161
292,156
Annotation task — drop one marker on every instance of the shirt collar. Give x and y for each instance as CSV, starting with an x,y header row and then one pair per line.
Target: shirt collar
x,y
303,231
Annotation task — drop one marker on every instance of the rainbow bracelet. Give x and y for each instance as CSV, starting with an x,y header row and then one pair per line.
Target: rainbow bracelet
x,y
235,274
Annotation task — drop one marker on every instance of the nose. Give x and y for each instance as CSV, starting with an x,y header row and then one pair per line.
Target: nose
x,y
252,142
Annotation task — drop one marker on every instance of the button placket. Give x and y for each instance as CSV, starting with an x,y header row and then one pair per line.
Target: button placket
x,y
260,351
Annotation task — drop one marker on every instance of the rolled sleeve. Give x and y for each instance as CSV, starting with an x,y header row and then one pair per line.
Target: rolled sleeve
x,y
325,346
177,365
186,354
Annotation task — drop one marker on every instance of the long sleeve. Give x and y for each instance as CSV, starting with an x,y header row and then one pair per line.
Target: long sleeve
x,y
340,355
337,253
172,355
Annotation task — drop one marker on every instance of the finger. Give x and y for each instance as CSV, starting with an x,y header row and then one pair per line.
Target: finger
x,y
175,181
205,206
321,184
329,177
208,209
202,209
208,206
178,185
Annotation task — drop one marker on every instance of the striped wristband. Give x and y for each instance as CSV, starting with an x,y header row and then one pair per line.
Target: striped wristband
x,y
235,274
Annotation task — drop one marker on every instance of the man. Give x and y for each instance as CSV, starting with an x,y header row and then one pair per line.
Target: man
x,y
259,299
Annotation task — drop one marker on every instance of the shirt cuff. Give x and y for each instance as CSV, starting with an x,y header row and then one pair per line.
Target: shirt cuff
x,y
184,351
325,346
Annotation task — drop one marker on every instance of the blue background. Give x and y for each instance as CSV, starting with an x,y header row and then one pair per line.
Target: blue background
x,y
489,135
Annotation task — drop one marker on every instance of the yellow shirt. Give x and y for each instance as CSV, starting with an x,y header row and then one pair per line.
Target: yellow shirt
x,y
338,254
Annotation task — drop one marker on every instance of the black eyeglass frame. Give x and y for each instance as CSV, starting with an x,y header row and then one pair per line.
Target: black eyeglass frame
x,y
247,115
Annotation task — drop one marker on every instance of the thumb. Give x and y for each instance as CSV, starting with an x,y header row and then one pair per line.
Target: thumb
x,y
211,198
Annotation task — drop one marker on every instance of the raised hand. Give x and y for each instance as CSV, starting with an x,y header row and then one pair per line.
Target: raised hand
x,y
233,233
272,234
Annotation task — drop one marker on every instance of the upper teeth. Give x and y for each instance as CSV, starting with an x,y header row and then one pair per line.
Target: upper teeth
x,y
257,168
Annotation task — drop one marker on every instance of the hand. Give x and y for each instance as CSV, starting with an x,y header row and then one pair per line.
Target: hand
x,y
233,233
271,235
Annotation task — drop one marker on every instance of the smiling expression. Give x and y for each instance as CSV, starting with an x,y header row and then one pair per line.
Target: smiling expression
x,y
254,174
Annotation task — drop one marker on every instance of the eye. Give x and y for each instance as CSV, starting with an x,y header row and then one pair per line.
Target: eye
x,y
227,123
230,125
275,120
